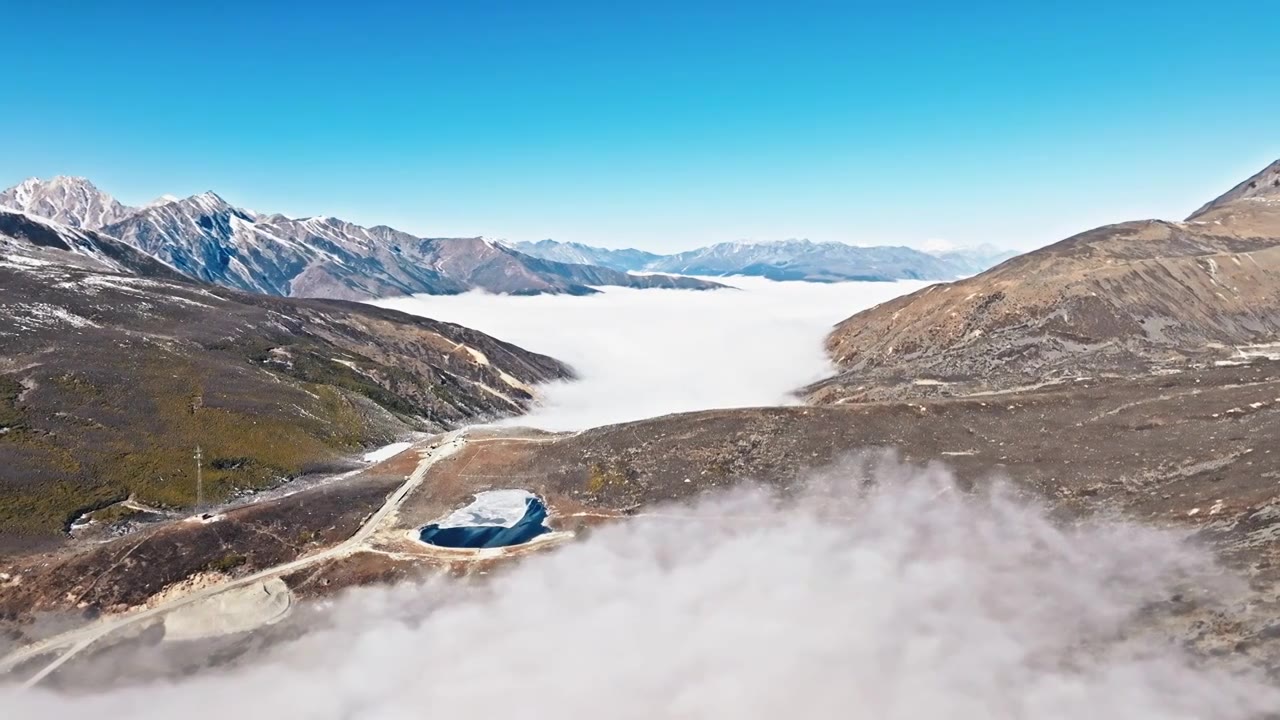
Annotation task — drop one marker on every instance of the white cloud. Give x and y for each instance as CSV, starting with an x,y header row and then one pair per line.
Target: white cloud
x,y
896,599
642,353
881,592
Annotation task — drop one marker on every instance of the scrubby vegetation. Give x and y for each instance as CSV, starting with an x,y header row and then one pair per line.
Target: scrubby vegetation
x,y
228,562
10,415
145,434
602,476
268,388
305,363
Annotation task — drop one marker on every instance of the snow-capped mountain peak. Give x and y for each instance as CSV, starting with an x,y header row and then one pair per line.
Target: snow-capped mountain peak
x,y
21,194
163,200
72,201
205,237
210,202
571,252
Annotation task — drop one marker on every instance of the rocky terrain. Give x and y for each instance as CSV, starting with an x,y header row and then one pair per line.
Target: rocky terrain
x,y
207,238
1205,466
1121,299
114,369
1128,372
624,260
70,201
28,236
1264,187
784,260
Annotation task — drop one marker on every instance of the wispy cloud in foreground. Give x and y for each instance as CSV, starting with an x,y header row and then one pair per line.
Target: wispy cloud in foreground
x,y
881,592
643,353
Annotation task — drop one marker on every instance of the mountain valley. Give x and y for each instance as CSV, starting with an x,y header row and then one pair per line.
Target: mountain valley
x,y
115,368
892,361
1127,374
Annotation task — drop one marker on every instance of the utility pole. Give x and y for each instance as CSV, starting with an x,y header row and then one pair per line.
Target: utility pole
x,y
199,480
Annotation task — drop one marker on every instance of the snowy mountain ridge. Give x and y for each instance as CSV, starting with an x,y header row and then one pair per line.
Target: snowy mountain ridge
x,y
794,259
207,238
71,201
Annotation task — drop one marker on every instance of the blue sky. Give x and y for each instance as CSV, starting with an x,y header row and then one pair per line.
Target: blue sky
x,y
659,125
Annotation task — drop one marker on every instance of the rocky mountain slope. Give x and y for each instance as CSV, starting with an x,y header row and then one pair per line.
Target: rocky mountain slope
x,y
24,236
1140,296
1262,187
72,201
109,380
1202,415
1204,470
784,260
625,260
209,239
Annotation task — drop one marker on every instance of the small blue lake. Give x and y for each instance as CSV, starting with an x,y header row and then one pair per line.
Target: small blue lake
x,y
496,518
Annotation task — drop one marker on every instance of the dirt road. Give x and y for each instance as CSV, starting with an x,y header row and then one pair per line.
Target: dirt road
x,y
77,640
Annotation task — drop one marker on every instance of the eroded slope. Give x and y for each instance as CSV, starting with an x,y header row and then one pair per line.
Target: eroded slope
x,y
109,381
1126,298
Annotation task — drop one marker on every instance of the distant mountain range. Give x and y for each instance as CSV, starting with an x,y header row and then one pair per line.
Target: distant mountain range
x,y
627,260
782,260
207,238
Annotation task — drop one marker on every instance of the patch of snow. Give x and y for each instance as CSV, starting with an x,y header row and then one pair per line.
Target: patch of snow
x,y
24,261
1269,351
386,452
44,315
132,286
491,508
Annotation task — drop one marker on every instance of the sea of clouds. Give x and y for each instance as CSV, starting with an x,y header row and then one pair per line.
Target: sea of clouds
x,y
881,593
644,353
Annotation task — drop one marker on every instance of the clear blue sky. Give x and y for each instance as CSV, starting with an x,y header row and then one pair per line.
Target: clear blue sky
x,y
660,125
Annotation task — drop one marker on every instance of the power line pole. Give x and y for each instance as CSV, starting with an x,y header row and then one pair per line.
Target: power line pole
x,y
199,480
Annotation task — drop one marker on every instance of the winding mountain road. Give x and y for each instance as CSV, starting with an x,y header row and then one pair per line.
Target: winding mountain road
x,y
77,640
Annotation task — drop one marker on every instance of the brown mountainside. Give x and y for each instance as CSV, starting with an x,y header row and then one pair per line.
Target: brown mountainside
x,y
109,380
1136,296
